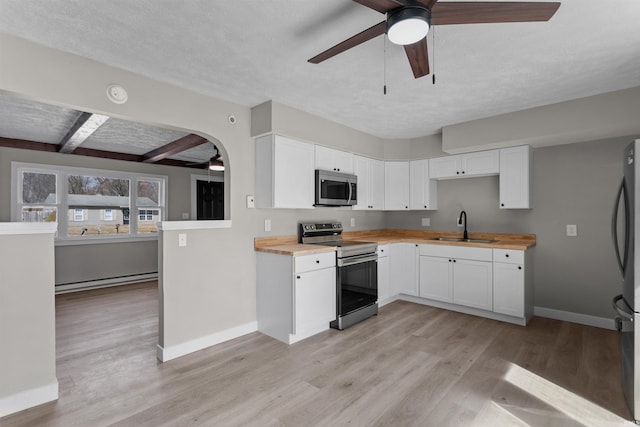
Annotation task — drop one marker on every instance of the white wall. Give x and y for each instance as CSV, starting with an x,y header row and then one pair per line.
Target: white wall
x,y
27,315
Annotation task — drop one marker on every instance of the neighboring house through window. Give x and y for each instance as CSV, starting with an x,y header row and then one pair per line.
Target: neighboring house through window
x,y
97,202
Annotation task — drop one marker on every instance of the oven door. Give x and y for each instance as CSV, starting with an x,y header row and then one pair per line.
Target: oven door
x,y
357,283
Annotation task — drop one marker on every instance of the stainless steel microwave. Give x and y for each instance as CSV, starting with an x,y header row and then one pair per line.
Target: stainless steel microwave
x,y
336,188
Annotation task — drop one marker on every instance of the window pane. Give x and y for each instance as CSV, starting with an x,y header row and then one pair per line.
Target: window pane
x,y
148,220
38,214
93,222
148,193
38,188
98,206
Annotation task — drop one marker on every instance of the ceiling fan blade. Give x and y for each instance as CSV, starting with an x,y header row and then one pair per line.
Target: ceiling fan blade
x,y
382,6
448,13
428,3
418,55
359,38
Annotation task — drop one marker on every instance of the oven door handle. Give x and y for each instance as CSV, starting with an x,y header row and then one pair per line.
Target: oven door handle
x,y
345,262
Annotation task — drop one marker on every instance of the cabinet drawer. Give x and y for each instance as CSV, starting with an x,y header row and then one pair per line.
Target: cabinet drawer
x,y
383,251
460,252
508,256
314,262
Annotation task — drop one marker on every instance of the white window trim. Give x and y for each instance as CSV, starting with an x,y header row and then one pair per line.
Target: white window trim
x,y
62,173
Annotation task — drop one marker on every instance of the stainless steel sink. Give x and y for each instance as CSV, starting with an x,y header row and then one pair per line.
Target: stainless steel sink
x,y
459,239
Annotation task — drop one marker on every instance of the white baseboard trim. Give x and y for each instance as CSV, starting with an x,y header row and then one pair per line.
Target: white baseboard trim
x,y
567,316
28,398
105,283
167,353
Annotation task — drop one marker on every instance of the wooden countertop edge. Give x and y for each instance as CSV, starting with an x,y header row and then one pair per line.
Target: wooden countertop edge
x,y
288,245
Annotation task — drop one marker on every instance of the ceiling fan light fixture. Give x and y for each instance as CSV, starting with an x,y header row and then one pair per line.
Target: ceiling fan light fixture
x,y
408,25
216,165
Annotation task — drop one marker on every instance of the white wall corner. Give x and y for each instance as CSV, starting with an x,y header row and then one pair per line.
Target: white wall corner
x,y
582,319
165,354
28,398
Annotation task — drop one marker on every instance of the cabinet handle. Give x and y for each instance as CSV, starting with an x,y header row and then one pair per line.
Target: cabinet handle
x,y
425,206
454,260
502,204
457,172
317,261
297,277
463,172
449,260
381,250
406,207
519,268
507,255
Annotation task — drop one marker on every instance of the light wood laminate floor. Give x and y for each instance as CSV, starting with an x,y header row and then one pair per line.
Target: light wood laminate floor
x,y
411,365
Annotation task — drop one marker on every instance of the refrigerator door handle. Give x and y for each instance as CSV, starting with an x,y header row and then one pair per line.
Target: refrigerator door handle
x,y
622,191
625,314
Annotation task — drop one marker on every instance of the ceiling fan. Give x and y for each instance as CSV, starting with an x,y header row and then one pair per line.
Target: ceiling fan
x,y
408,23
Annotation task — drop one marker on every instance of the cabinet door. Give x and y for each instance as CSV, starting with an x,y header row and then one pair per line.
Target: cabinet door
x,y
333,160
293,184
315,301
435,278
376,195
473,284
508,289
402,259
444,167
362,169
384,284
396,188
515,178
343,161
423,191
481,163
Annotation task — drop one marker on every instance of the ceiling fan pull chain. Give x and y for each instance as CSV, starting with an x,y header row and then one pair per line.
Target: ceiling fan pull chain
x,y
433,76
384,66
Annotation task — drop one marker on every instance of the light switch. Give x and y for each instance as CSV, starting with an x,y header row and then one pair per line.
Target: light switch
x,y
267,225
182,239
572,230
251,203
353,222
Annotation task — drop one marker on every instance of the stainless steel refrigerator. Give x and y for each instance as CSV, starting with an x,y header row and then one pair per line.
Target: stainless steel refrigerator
x,y
626,215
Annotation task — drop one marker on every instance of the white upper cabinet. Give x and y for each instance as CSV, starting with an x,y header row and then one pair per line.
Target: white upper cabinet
x,y
515,177
480,163
284,173
423,191
370,173
330,159
396,186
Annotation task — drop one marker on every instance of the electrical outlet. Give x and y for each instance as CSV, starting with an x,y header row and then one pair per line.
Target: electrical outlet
x,y
267,225
185,215
353,222
182,240
426,222
572,230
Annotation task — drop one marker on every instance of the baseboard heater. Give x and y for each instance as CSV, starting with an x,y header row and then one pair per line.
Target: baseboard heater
x,y
104,283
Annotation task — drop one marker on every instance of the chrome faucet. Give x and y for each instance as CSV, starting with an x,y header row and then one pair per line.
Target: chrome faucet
x,y
465,236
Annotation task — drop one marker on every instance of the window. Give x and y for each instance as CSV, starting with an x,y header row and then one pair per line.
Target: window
x,y
78,214
98,202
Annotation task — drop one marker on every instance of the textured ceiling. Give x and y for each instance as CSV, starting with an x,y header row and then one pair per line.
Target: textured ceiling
x,y
251,51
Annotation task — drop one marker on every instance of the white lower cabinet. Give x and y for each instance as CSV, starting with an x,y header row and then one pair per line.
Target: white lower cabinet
x,y
512,291
403,268
296,296
459,275
385,293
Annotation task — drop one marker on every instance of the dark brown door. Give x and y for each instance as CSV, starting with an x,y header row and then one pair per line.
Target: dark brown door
x,y
210,200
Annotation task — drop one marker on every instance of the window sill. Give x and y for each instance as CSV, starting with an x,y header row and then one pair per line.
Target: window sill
x,y
105,240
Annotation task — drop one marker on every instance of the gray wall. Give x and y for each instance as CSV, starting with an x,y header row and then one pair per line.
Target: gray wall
x,y
573,184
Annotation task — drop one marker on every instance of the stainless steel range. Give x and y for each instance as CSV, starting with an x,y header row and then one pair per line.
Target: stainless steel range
x,y
356,272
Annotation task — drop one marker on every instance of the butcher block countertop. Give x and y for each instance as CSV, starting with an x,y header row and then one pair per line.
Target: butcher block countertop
x,y
288,245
